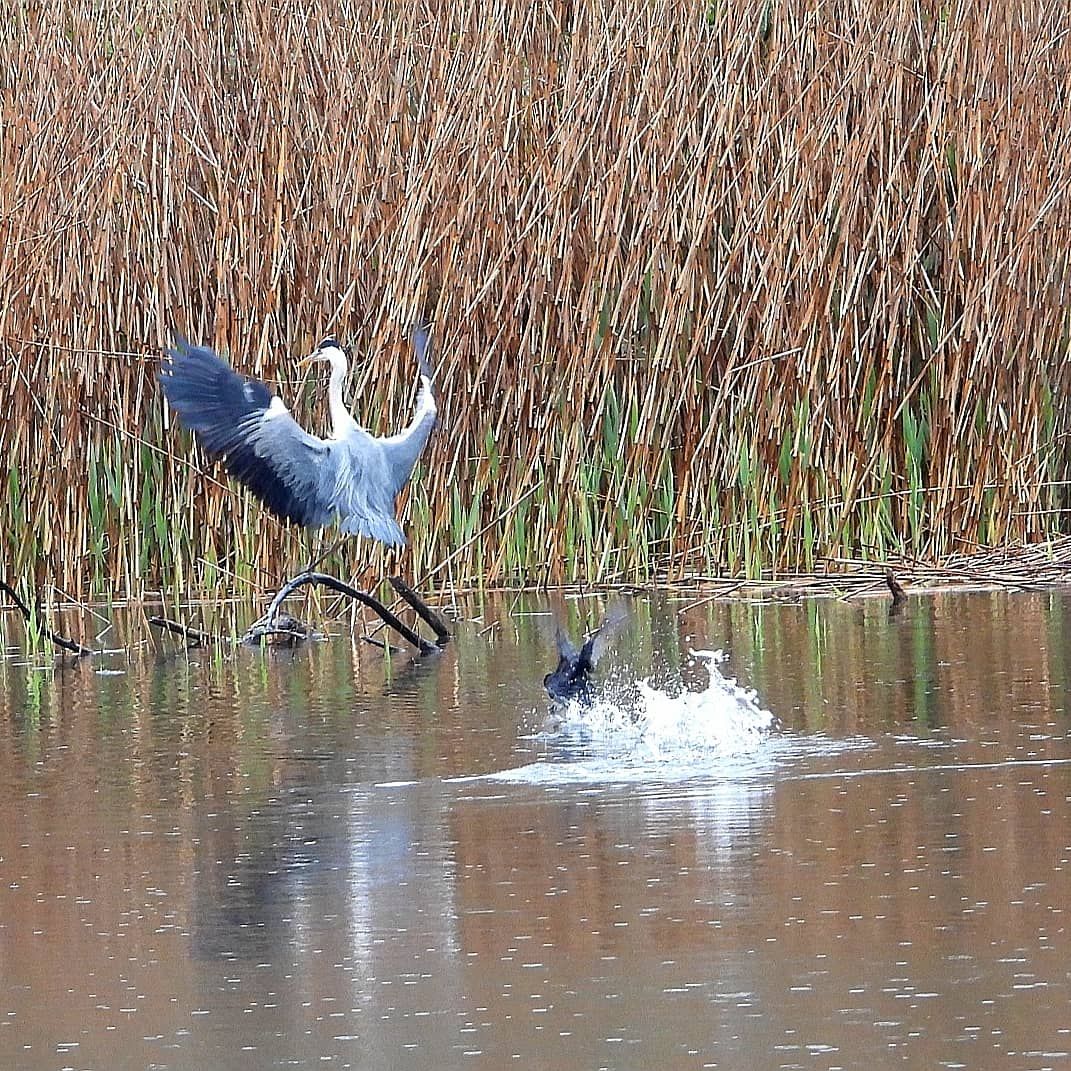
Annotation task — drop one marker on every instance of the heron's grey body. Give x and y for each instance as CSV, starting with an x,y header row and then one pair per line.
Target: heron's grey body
x,y
350,478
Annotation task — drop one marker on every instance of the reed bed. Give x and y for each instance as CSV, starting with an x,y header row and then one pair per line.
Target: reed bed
x,y
719,289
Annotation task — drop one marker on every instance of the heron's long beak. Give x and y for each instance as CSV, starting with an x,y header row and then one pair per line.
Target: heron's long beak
x,y
306,361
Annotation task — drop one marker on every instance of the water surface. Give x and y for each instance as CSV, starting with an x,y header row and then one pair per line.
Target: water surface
x,y
273,860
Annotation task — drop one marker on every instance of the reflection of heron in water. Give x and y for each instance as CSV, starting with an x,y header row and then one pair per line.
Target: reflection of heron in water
x,y
351,478
570,681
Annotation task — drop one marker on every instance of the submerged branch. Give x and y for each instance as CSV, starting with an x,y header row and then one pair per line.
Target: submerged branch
x,y
425,612
899,596
275,626
59,641
195,636
265,625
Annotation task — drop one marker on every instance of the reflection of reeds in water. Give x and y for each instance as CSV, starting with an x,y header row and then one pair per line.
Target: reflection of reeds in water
x,y
217,827
721,293
950,660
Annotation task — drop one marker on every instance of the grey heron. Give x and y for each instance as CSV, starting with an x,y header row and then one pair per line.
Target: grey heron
x,y
350,478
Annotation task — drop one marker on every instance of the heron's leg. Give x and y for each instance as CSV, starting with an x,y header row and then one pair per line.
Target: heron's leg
x,y
325,554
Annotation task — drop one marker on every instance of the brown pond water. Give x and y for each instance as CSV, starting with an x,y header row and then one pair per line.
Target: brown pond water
x,y
305,861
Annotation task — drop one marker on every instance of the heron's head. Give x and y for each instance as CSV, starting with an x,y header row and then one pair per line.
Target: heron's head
x,y
328,350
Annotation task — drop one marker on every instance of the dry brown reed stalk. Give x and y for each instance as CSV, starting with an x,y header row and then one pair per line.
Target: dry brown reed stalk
x,y
742,285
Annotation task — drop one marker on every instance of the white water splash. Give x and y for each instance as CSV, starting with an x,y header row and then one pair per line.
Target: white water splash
x,y
639,731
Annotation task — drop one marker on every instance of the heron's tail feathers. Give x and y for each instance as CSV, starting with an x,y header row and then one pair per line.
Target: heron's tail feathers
x,y
375,526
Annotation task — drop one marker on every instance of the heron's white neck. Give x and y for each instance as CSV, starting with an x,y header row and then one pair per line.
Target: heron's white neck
x,y
341,420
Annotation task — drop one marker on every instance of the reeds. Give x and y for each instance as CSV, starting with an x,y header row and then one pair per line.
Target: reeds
x,y
718,288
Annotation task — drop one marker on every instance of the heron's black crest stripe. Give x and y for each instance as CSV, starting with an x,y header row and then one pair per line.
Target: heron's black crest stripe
x,y
224,411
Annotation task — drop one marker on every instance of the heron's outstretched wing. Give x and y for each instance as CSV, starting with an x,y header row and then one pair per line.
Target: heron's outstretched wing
x,y
292,472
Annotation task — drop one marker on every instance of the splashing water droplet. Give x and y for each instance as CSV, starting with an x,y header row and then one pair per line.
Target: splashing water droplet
x,y
636,730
